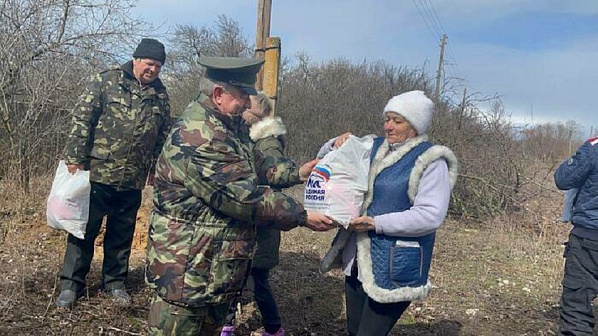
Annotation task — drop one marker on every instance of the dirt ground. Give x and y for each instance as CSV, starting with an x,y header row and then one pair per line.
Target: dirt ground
x,y
498,277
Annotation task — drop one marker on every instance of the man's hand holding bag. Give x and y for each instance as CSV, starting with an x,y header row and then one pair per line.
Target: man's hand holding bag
x,y
68,204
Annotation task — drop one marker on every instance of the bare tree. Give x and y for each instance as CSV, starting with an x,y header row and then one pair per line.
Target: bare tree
x,y
48,48
550,142
187,44
319,101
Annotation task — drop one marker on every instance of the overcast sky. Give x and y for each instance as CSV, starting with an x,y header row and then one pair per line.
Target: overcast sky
x,y
540,56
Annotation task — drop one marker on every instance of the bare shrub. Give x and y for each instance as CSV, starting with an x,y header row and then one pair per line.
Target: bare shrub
x,y
490,162
187,44
21,209
550,142
320,101
51,47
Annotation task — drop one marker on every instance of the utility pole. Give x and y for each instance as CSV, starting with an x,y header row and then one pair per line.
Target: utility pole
x,y
268,49
270,70
440,64
264,12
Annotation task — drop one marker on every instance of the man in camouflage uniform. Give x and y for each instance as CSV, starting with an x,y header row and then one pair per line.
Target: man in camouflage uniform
x,y
206,202
119,127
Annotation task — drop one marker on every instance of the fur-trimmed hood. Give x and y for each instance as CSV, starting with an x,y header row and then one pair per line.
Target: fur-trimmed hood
x,y
270,126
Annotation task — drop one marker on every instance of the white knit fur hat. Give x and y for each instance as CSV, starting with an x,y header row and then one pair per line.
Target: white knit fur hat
x,y
413,106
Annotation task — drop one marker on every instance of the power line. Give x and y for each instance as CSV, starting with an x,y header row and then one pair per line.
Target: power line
x,y
451,60
432,14
428,14
435,35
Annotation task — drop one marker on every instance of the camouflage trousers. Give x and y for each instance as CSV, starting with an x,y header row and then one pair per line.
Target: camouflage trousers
x,y
168,319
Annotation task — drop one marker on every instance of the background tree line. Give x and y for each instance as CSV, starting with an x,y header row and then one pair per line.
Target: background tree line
x,y
50,48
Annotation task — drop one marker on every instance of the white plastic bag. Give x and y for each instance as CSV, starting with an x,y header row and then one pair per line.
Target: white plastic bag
x,y
337,185
68,204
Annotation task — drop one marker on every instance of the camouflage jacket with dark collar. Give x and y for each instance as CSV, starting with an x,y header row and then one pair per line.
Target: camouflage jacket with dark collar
x,y
119,128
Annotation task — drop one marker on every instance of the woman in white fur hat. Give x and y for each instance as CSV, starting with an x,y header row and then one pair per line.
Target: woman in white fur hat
x,y
386,253
268,135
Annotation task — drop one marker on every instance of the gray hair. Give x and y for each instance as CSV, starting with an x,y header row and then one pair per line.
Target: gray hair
x,y
206,86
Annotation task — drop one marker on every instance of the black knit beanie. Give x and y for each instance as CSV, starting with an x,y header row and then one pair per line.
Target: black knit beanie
x,y
150,48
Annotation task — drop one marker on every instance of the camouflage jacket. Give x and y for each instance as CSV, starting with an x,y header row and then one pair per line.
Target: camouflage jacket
x,y
268,136
119,128
206,200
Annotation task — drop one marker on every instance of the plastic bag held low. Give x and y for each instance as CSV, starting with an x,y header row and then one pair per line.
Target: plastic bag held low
x,y
68,204
337,185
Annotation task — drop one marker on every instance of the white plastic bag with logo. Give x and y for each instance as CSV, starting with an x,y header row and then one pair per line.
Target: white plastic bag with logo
x,y
68,204
337,185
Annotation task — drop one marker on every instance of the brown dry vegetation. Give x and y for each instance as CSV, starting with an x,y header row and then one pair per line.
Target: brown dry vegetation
x,y
498,262
496,277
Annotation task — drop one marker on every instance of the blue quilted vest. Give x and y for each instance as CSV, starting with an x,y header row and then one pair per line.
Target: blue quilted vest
x,y
398,261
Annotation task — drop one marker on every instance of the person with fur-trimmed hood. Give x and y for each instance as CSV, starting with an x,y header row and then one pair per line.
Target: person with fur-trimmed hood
x,y
268,135
386,253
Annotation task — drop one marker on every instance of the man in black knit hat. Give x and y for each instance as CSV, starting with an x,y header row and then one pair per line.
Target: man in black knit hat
x,y
119,127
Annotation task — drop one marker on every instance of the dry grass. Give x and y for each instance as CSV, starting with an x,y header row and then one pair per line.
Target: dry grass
x,y
498,277
19,210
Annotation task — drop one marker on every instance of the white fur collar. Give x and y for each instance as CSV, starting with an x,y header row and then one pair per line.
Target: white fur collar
x,y
271,126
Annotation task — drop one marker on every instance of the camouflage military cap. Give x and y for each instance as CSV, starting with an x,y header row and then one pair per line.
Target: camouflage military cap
x,y
236,71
